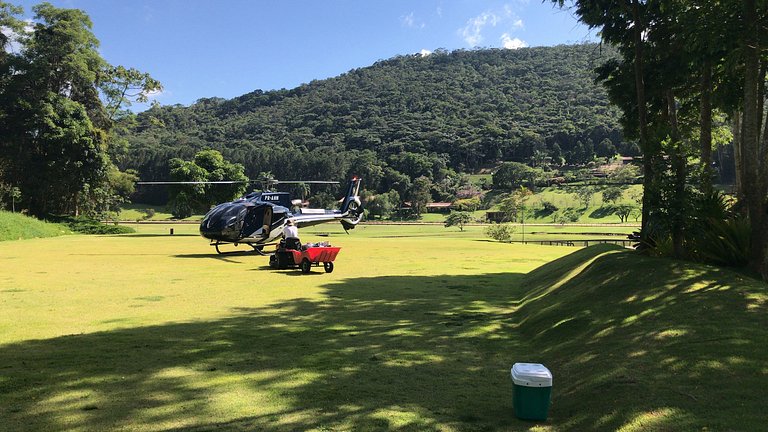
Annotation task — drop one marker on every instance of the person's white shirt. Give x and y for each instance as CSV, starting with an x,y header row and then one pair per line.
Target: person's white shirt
x,y
290,231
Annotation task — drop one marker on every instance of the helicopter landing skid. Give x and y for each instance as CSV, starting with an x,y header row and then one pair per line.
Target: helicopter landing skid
x,y
259,249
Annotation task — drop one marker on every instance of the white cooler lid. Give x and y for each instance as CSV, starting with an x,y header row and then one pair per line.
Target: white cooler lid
x,y
531,375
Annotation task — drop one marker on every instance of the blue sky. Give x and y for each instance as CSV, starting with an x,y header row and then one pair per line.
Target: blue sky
x,y
227,48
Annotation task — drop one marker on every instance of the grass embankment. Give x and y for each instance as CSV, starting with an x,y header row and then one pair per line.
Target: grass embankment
x,y
16,226
410,332
642,344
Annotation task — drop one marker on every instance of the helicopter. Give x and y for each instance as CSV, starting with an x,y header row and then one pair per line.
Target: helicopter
x,y
258,218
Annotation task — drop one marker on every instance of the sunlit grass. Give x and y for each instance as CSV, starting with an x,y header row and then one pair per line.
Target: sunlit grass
x,y
15,226
416,329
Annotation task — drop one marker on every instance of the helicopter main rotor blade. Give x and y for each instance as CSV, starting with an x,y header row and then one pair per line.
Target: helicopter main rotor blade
x,y
305,181
189,182
236,181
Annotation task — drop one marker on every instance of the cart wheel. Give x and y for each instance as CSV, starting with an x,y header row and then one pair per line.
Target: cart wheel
x,y
328,267
273,261
306,266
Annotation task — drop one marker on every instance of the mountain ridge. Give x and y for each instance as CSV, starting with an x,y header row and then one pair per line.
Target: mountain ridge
x,y
400,118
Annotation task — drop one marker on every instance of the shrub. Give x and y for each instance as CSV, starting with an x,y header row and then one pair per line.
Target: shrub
x,y
500,232
566,215
89,226
725,242
149,213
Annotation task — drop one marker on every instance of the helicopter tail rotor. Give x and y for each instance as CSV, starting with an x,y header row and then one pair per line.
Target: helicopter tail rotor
x,y
352,206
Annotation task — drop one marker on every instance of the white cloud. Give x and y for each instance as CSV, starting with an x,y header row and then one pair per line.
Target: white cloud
x,y
407,20
509,43
425,52
154,94
473,31
410,21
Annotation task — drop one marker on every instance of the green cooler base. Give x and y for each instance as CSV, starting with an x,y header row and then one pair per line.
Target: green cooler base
x,y
531,403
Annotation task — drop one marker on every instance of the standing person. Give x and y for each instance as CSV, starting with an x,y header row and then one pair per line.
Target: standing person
x,y
291,235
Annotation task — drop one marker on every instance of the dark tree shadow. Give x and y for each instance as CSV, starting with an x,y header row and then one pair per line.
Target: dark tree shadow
x,y
145,235
603,212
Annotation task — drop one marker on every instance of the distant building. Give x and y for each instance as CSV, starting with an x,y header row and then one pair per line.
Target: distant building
x,y
439,207
496,216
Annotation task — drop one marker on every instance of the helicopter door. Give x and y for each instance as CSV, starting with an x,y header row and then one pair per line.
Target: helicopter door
x,y
267,222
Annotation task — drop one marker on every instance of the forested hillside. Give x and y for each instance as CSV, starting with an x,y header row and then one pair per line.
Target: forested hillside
x,y
400,119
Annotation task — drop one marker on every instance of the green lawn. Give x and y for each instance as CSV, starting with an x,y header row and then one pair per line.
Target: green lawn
x,y
416,329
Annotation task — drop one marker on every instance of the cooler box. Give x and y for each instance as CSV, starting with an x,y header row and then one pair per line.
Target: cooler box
x,y
532,390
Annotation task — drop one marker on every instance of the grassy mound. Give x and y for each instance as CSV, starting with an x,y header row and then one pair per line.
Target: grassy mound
x,y
638,343
16,226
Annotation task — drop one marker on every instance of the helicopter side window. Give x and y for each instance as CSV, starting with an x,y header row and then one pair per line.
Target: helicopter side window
x,y
251,223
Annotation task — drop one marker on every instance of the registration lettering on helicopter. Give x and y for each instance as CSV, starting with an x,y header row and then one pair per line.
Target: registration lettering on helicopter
x,y
270,197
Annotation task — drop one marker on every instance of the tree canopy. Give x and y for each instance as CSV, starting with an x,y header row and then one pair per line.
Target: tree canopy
x,y
207,166
400,119
681,63
56,129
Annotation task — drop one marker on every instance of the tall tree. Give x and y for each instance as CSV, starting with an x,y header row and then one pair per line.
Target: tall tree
x,y
711,42
207,166
56,128
754,155
420,194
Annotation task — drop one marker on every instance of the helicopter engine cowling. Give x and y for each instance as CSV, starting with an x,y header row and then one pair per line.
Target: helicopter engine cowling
x,y
224,222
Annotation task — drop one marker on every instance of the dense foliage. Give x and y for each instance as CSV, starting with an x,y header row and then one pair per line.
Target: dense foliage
x,y
86,225
59,102
683,66
400,119
207,166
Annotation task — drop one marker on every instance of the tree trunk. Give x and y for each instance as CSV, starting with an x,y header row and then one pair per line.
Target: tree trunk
x,y
760,93
649,154
705,137
738,177
678,165
762,111
753,157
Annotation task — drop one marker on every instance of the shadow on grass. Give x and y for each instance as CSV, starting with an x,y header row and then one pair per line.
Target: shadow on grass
x,y
603,212
653,344
141,235
216,255
419,353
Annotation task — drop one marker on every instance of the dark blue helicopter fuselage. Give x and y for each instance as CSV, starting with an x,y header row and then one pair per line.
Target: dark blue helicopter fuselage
x,y
242,218
259,217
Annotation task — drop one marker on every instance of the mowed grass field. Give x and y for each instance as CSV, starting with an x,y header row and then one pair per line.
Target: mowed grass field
x,y
416,329
155,332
